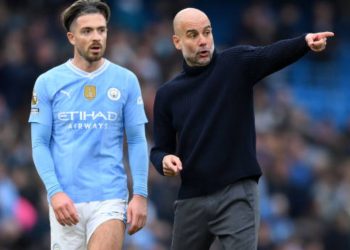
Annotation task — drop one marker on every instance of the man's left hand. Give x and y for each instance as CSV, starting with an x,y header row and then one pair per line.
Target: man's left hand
x,y
136,213
318,41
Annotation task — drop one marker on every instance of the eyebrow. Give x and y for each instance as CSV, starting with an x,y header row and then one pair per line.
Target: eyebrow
x,y
91,27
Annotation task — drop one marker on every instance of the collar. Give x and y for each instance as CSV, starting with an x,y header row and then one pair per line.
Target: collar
x,y
83,73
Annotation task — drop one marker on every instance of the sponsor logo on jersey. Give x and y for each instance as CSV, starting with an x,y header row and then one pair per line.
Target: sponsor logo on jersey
x,y
34,99
87,125
90,92
66,93
85,115
113,94
79,120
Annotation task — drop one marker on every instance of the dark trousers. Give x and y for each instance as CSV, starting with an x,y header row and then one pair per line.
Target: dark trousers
x,y
231,214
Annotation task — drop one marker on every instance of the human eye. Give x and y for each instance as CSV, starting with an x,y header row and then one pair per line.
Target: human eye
x,y
207,32
86,31
191,35
102,30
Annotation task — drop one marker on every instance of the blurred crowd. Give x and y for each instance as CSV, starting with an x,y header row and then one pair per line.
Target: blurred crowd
x,y
302,115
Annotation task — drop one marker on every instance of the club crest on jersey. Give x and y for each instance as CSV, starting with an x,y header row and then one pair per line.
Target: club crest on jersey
x,y
34,99
90,92
113,94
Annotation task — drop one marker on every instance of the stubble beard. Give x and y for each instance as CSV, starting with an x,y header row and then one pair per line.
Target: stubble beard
x,y
195,61
91,57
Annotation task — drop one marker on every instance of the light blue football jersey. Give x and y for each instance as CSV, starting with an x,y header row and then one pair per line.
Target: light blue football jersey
x,y
88,113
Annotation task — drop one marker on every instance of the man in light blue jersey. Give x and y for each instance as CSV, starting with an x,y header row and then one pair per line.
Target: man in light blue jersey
x,y
79,112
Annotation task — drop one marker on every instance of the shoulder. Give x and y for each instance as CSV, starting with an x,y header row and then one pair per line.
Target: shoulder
x,y
237,51
49,78
173,83
122,71
52,73
239,55
168,90
165,89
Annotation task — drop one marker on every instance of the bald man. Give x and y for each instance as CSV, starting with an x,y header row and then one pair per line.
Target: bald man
x,y
204,130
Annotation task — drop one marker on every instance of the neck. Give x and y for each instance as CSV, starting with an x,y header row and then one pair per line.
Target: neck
x,y
85,65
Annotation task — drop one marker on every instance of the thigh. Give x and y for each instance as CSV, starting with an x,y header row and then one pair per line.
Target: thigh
x,y
108,236
106,224
66,237
237,219
190,230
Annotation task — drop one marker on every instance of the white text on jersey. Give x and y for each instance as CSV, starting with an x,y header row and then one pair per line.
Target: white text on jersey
x,y
84,116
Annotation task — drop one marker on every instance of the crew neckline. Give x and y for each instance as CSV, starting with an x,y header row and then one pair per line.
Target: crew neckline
x,y
84,73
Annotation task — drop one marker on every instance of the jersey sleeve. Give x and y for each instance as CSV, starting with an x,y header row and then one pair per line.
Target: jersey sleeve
x,y
41,110
138,158
134,112
42,158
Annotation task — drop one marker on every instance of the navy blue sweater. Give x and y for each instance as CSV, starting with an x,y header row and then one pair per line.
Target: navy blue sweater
x,y
205,115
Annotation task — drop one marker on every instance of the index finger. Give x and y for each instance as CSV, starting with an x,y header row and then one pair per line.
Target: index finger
x,y
326,34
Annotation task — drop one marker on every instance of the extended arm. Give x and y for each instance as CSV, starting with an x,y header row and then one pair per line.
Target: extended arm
x,y
271,58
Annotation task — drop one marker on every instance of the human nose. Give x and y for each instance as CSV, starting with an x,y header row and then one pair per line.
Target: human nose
x,y
203,40
96,36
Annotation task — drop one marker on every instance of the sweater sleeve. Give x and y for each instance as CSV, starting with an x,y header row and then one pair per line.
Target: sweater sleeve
x,y
265,60
164,134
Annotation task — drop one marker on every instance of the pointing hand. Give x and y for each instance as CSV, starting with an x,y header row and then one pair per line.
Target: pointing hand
x,y
318,41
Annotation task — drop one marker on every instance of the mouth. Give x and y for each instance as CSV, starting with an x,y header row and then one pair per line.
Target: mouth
x,y
95,48
204,53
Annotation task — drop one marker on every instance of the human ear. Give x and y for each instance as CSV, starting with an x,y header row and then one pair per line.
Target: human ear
x,y
177,42
71,37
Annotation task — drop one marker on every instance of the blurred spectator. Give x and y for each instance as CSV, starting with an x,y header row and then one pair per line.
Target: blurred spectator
x,y
10,228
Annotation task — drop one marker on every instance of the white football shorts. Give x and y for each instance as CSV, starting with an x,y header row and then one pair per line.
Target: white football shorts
x,y
91,215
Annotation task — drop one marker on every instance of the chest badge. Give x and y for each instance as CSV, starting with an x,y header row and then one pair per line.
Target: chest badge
x,y
34,99
90,92
113,94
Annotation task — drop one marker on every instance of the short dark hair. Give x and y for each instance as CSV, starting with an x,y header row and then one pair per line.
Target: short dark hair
x,y
82,7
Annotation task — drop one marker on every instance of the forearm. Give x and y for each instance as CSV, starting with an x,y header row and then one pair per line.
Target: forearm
x,y
157,156
43,159
274,57
164,134
138,158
